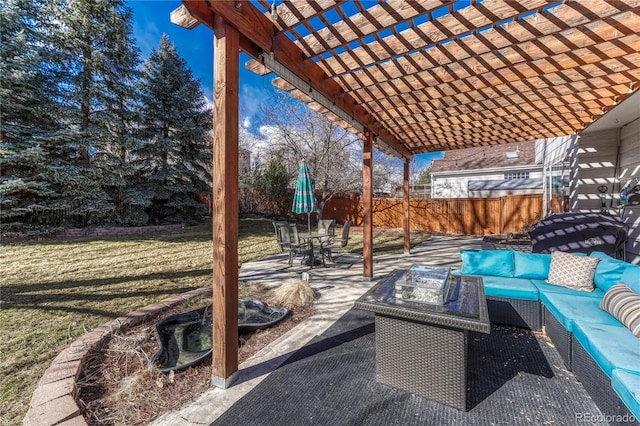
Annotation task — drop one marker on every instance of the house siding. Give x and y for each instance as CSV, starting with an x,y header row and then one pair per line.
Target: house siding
x,y
597,157
629,172
451,174
458,186
449,187
612,158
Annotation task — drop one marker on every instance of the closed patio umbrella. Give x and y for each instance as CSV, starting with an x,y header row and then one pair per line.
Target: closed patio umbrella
x,y
304,200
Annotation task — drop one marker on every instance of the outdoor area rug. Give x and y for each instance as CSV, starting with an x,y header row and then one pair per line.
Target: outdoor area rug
x,y
515,377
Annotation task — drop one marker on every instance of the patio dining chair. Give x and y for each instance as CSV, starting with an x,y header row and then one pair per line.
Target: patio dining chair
x,y
289,241
333,244
327,226
276,227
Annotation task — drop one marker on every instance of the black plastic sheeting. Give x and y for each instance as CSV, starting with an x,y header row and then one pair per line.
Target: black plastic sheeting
x,y
580,232
185,339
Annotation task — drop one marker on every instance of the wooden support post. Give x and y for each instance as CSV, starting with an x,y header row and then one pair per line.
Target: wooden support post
x,y
225,204
574,172
367,202
405,207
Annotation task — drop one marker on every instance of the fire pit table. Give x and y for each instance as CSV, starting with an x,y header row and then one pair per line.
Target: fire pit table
x,y
422,319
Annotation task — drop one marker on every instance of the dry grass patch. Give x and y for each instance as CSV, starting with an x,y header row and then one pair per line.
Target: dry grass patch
x,y
55,291
293,293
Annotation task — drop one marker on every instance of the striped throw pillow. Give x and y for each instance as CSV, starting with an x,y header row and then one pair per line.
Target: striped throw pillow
x,y
572,271
624,304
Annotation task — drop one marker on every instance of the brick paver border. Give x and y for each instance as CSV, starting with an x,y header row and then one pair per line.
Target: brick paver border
x,y
54,400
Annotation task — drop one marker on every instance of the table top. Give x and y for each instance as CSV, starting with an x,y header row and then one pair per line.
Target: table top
x,y
307,235
465,306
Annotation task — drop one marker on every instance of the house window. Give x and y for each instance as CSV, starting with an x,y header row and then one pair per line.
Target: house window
x,y
516,175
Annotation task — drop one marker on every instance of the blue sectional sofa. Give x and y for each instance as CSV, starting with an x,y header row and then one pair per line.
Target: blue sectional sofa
x,y
602,352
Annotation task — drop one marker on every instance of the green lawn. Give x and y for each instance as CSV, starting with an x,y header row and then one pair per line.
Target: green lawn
x,y
53,292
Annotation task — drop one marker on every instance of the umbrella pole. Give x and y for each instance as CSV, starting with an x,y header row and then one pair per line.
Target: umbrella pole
x,y
309,222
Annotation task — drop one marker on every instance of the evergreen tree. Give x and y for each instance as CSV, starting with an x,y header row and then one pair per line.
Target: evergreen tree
x,y
99,95
275,184
175,156
425,176
27,119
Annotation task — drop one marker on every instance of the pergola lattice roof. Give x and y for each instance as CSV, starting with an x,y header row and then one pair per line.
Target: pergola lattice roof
x,y
462,74
420,76
431,75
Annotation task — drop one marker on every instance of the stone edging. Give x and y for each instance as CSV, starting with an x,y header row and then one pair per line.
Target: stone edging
x,y
54,400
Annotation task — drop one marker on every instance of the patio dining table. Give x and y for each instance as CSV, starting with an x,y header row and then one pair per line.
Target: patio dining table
x,y
310,237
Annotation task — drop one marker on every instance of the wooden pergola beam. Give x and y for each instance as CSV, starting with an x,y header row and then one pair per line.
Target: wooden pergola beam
x,y
183,18
260,31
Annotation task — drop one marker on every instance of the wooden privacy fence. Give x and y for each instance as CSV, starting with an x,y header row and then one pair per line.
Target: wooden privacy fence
x,y
460,216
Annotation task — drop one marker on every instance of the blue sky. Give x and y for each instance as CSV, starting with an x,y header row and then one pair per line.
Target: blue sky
x,y
151,21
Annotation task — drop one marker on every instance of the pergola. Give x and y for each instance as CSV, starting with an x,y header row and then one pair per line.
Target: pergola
x,y
409,77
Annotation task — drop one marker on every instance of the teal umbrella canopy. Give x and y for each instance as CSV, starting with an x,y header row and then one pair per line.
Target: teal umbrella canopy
x,y
304,200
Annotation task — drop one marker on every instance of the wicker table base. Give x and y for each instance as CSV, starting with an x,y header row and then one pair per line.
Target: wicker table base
x,y
422,347
427,360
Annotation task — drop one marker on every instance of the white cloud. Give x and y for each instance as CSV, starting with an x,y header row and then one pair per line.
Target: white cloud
x,y
209,102
251,97
268,131
208,94
254,143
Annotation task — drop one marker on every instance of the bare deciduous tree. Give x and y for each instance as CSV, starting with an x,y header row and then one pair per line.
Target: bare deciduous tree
x,y
333,155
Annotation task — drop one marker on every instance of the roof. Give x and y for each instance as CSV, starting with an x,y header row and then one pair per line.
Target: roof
x,y
479,185
424,76
486,157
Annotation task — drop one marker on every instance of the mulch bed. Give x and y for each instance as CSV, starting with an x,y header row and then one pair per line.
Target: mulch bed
x,y
117,386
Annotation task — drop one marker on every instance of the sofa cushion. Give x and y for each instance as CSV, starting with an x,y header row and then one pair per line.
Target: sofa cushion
x,y
531,265
569,270
567,308
511,288
498,263
631,277
611,346
609,270
544,287
624,304
627,386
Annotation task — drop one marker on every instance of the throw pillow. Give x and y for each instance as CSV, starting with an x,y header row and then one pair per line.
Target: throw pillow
x,y
624,304
572,271
531,265
498,263
609,271
631,277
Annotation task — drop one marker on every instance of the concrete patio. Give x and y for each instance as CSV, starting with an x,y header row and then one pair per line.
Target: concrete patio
x,y
338,285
